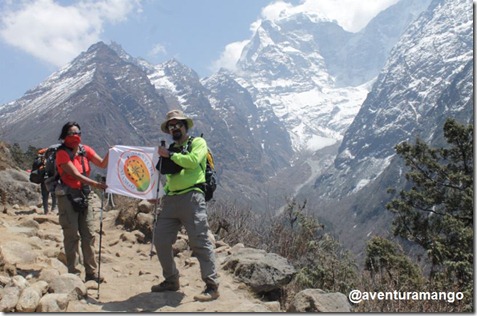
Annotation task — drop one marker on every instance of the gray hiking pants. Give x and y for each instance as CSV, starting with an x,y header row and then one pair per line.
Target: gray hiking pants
x,y
45,195
77,227
188,209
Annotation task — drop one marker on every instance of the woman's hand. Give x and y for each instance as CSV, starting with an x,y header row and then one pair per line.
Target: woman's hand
x,y
100,185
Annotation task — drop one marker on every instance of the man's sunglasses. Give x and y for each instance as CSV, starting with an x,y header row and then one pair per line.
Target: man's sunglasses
x,y
172,127
73,133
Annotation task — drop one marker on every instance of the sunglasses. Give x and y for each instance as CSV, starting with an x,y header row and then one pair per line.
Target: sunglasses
x,y
73,133
172,127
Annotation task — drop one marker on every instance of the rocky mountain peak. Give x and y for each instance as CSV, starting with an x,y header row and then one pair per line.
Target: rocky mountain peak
x,y
402,95
177,70
427,79
304,87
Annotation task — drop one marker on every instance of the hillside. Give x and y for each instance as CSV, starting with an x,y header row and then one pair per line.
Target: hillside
x,y
311,112
33,274
428,78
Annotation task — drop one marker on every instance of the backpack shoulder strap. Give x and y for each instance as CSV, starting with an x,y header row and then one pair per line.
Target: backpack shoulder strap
x,y
189,147
189,143
68,151
81,152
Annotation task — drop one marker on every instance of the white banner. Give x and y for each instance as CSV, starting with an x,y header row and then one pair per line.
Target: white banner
x,y
132,172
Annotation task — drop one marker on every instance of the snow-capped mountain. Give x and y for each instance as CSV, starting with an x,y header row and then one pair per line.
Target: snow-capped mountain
x,y
411,95
112,98
296,85
120,100
427,78
251,144
306,96
314,75
350,63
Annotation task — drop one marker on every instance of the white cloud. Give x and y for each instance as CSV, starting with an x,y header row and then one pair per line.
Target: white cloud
x,y
158,49
55,33
277,10
229,56
352,15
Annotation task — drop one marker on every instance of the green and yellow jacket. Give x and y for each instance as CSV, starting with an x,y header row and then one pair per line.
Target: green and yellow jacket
x,y
194,164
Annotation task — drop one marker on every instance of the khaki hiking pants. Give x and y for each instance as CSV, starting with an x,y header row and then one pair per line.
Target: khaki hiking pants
x,y
188,209
77,227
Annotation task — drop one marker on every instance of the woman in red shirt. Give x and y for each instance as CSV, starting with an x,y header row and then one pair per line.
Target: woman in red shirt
x,y
75,213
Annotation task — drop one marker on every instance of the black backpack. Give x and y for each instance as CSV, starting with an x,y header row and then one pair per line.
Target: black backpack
x,y
37,174
170,167
210,175
51,172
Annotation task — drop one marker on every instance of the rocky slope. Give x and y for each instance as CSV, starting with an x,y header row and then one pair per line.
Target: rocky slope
x,y
427,79
298,101
33,276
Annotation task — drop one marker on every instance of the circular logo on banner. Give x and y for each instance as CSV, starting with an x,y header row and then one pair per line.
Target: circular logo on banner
x,y
135,170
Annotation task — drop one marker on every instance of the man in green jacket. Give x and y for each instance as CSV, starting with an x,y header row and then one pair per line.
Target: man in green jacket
x,y
184,204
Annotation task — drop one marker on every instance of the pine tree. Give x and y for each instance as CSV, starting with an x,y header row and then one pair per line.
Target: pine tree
x,y
436,211
390,267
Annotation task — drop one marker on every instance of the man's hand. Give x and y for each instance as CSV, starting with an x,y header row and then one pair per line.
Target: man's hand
x,y
163,152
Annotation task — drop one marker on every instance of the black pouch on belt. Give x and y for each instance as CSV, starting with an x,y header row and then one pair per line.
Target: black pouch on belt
x,y
79,198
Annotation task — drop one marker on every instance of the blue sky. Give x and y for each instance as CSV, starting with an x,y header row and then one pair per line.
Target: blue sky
x,y
37,37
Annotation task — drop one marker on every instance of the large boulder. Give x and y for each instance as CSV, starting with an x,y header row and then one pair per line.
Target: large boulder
x,y
127,218
144,222
9,299
20,282
315,300
145,207
53,303
28,301
49,274
17,189
66,283
16,252
29,227
262,271
41,287
56,264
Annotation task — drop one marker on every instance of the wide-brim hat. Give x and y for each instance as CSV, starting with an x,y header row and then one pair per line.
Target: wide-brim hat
x,y
176,115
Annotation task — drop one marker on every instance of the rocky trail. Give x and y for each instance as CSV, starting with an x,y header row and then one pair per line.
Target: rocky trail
x,y
32,243
34,278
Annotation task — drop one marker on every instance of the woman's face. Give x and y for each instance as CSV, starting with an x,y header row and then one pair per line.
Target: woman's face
x,y
73,130
73,137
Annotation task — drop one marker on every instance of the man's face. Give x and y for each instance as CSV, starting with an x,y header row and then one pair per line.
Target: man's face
x,y
176,129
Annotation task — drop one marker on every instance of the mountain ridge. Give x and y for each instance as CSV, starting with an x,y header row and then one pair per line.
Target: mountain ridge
x,y
420,86
273,133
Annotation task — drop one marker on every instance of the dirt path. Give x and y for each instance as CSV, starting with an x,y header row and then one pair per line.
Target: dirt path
x,y
130,273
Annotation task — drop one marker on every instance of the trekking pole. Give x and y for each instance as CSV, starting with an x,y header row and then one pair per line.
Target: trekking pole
x,y
100,235
163,144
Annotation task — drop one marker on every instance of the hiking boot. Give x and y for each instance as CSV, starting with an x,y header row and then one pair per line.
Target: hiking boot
x,y
75,272
166,286
210,293
93,277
